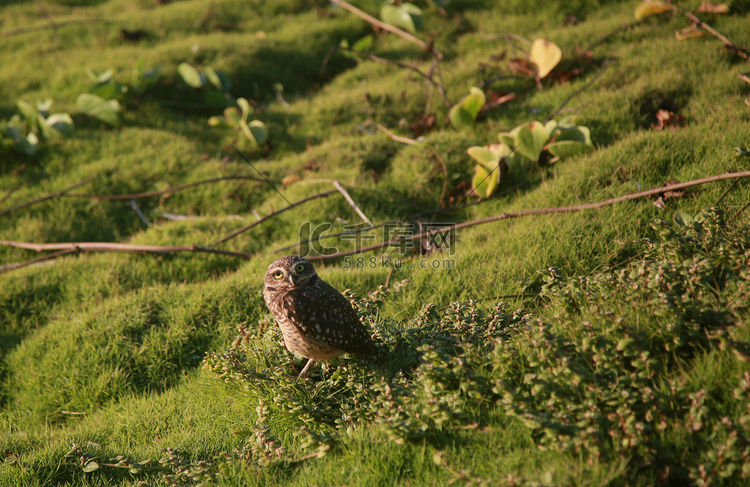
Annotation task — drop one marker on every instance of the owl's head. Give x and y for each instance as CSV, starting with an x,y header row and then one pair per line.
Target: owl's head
x,y
289,272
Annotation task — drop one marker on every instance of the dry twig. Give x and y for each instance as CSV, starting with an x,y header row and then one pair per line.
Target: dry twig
x,y
382,25
272,214
47,197
351,202
541,211
702,25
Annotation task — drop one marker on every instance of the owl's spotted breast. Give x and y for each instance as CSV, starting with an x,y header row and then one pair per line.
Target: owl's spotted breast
x,y
317,321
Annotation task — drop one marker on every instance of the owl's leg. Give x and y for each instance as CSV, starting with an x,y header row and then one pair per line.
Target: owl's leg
x,y
306,369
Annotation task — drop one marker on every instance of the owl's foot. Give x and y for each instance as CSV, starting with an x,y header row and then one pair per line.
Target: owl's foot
x,y
306,369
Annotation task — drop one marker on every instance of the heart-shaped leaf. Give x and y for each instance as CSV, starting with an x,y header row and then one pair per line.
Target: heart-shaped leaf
x,y
577,133
509,138
545,55
652,7
487,158
568,148
485,182
530,140
108,111
406,16
255,131
190,75
465,112
27,145
57,125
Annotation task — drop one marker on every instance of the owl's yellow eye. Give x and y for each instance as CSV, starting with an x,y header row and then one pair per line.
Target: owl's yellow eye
x,y
300,267
278,274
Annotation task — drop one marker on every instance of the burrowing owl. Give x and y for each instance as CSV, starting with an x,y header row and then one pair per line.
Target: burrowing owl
x,y
316,320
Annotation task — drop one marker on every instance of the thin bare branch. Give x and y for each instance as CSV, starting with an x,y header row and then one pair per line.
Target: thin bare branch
x,y
119,247
382,25
150,194
47,197
702,25
580,90
18,265
351,202
275,213
397,138
541,211
377,59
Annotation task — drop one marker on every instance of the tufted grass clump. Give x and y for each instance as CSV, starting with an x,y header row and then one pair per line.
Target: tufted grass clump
x,y
606,370
433,374
612,372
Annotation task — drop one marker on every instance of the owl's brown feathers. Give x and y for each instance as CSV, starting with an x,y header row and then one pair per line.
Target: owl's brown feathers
x,y
316,320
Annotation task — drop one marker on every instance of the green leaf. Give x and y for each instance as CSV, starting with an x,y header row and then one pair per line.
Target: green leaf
x,y
28,145
363,44
245,107
485,182
57,125
577,133
465,112
683,219
28,111
530,140
108,111
108,90
545,55
487,158
649,8
43,106
190,75
91,466
406,16
219,121
509,138
567,148
213,78
255,131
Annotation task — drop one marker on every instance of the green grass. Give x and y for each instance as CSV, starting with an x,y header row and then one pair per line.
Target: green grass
x,y
634,327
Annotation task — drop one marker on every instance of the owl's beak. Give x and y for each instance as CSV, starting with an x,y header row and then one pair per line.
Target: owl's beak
x,y
291,279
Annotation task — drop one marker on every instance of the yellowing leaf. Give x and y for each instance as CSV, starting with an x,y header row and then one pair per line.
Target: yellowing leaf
x,y
465,112
485,182
688,32
714,8
545,55
651,7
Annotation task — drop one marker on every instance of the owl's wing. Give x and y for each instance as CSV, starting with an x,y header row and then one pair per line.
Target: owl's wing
x,y
320,312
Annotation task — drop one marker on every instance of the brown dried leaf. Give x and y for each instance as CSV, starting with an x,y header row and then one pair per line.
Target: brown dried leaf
x,y
496,98
714,8
422,124
689,32
744,77
522,66
667,119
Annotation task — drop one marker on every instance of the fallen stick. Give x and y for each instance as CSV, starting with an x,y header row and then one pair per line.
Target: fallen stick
x,y
47,197
541,211
275,213
351,202
382,25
